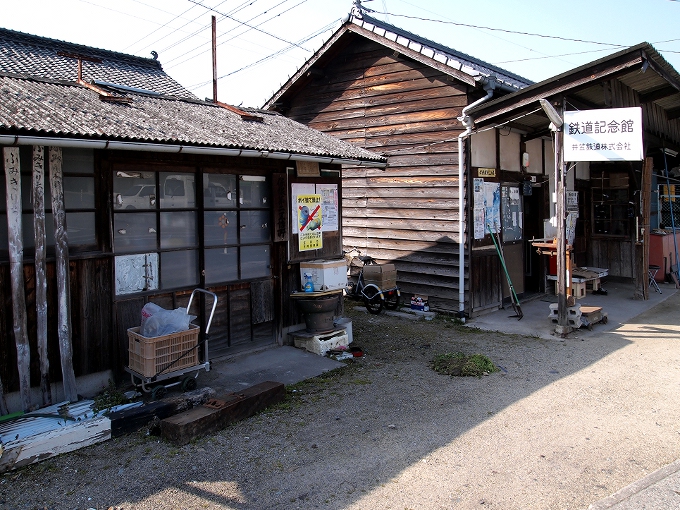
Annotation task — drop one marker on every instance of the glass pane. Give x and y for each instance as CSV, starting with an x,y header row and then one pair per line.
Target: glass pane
x,y
178,229
221,265
254,226
134,190
253,192
219,190
4,240
79,192
134,232
29,233
27,197
80,161
136,273
255,262
177,190
221,227
179,269
81,228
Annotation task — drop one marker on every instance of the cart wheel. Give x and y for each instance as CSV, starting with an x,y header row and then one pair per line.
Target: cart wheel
x,y
158,392
604,320
392,300
189,383
372,300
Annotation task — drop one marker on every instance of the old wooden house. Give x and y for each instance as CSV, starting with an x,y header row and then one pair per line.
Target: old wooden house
x,y
121,187
618,207
466,140
401,95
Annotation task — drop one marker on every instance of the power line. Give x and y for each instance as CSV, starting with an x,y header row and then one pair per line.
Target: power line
x,y
246,24
550,56
495,29
275,54
162,26
203,26
233,37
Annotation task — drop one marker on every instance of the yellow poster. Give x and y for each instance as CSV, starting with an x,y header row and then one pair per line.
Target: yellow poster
x,y
309,222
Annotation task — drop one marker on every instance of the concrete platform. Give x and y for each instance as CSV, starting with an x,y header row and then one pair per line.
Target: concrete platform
x,y
286,364
618,304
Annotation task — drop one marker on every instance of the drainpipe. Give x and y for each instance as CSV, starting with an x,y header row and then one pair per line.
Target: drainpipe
x,y
489,85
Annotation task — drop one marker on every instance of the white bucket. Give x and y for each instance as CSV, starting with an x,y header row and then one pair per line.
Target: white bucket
x,y
344,322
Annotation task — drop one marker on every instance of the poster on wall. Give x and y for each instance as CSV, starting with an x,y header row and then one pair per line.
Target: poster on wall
x,y
329,206
492,205
478,207
296,189
309,222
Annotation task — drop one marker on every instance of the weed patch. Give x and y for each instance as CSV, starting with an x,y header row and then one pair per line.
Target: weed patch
x,y
459,364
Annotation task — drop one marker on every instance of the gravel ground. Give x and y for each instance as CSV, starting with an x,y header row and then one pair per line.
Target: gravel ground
x,y
563,424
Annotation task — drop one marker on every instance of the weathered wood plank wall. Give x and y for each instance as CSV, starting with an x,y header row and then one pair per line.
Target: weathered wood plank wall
x,y
407,214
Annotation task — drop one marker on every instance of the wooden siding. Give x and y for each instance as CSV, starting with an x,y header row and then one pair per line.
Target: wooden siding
x,y
408,213
91,322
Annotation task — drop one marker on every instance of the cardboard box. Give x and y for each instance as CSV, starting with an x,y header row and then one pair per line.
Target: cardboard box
x,y
420,302
384,276
326,274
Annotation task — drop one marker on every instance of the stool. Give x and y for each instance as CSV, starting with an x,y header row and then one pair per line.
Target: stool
x,y
652,277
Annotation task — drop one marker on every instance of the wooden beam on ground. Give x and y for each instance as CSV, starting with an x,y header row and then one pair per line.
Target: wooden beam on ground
x,y
16,261
63,280
134,418
38,195
218,413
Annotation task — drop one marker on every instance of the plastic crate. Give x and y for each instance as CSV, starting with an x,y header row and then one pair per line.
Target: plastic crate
x,y
153,356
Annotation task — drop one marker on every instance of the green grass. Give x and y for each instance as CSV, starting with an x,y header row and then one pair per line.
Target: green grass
x,y
459,364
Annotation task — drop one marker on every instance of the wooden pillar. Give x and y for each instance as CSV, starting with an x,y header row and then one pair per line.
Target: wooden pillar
x,y
63,280
38,195
16,262
642,246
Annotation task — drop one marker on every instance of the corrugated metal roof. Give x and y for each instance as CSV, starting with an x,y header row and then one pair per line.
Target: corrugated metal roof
x,y
55,109
40,97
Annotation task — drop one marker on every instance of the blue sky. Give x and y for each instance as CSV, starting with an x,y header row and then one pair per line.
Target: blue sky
x,y
263,42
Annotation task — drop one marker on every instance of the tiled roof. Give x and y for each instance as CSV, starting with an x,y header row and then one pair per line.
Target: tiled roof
x,y
443,54
33,56
39,96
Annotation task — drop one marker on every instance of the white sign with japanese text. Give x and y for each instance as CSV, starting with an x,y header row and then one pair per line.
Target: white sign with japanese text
x,y
613,134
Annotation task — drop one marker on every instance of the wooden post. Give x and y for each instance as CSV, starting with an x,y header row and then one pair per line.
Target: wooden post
x,y
214,57
38,195
16,262
646,204
63,280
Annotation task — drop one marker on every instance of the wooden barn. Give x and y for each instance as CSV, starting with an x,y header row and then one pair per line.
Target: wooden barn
x,y
120,187
451,127
401,95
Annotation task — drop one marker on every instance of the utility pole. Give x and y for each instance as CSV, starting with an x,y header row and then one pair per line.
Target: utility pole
x,y
556,117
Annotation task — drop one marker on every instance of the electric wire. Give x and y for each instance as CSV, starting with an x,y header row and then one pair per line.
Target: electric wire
x,y
159,28
205,25
246,24
268,57
194,55
497,29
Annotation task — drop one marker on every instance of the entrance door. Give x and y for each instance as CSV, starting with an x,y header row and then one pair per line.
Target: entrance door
x,y
533,229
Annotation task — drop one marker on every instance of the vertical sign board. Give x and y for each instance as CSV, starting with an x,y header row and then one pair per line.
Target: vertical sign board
x,y
613,134
309,222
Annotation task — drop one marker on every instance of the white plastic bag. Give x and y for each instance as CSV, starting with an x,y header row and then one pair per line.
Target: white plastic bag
x,y
157,321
